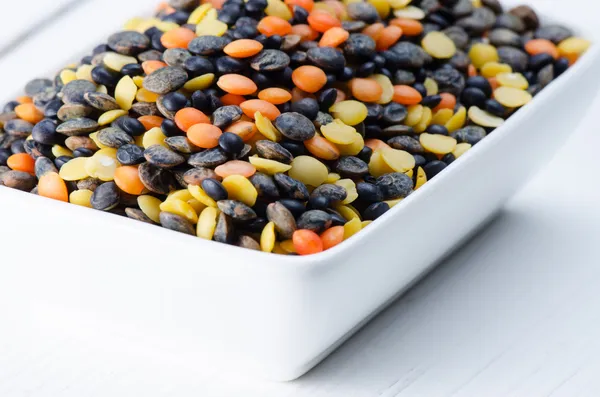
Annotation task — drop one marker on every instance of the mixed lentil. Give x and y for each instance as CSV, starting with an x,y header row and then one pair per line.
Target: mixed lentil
x,y
281,126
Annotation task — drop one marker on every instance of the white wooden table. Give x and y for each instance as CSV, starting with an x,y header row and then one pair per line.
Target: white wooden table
x,y
515,312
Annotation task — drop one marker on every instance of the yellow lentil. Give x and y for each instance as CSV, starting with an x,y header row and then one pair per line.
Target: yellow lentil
x,y
199,13
352,227
266,127
438,45
116,61
395,4
350,187
270,167
377,165
154,136
492,69
425,120
338,132
58,151
110,116
349,112
207,223
212,27
93,137
199,194
398,160
288,246
573,47
393,203
143,95
415,114
240,189
279,9
438,144
410,12
515,80
200,83
66,76
461,149
102,89
84,72
150,206
308,170
481,53
74,169
268,238
512,97
332,177
183,194
103,164
382,7
196,205
125,92
457,121
442,116
347,211
388,88
353,148
431,86
181,208
81,197
421,178
483,118
139,81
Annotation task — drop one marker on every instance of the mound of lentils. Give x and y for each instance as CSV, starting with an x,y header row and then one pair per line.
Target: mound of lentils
x,y
281,126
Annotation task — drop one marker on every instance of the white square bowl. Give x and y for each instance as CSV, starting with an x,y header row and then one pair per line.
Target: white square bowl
x,y
273,316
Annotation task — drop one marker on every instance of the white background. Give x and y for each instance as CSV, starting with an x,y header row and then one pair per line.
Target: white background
x,y
515,312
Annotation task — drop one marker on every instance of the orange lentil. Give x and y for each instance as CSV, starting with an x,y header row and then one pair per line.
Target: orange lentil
x,y
243,48
365,90
321,21
272,25
275,95
28,112
235,167
177,38
128,180
388,37
245,129
187,117
448,102
307,242
541,46
265,108
52,186
322,148
306,4
305,32
409,27
332,237
333,37
472,70
24,99
204,135
152,66
236,84
232,99
309,78
21,162
150,122
374,31
406,95
375,144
